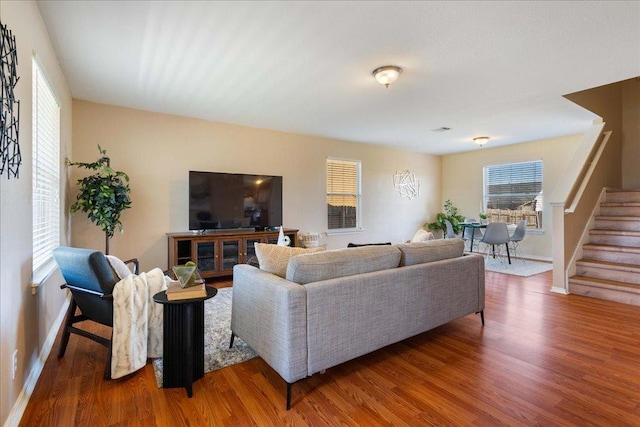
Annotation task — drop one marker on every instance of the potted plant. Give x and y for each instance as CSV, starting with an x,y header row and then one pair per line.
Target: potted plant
x,y
450,213
103,196
483,217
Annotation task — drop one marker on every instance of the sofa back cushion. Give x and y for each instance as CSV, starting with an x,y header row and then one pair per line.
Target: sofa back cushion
x,y
327,265
274,258
429,251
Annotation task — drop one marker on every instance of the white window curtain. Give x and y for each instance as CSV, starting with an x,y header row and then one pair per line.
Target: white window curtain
x,y
343,194
46,170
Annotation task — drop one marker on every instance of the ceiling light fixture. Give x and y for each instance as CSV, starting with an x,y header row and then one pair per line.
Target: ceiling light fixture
x,y
481,140
387,74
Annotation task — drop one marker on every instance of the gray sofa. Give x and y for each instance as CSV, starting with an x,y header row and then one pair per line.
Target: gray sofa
x,y
336,305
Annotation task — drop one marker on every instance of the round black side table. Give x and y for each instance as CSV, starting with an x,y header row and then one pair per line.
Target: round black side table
x,y
183,340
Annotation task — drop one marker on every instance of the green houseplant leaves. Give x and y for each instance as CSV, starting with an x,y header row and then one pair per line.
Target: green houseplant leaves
x,y
103,196
450,213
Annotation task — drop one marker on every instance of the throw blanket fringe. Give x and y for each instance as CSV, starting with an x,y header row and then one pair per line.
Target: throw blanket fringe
x,y
137,322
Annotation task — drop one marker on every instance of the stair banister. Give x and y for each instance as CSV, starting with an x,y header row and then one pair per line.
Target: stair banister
x,y
574,199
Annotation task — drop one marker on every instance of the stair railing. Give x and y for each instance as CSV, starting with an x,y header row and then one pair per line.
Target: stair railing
x,y
576,198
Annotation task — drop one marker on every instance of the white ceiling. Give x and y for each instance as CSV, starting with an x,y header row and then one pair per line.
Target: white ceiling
x,y
481,68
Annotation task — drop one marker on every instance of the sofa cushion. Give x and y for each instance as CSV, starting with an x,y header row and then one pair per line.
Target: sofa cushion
x,y
429,251
274,258
327,265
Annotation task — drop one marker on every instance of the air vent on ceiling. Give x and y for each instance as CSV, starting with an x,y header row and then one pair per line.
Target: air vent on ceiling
x,y
442,129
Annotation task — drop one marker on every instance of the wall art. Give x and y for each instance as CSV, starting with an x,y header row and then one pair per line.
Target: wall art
x,y
406,184
10,158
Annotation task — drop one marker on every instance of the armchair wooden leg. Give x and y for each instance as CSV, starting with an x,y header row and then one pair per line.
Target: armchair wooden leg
x,y
66,332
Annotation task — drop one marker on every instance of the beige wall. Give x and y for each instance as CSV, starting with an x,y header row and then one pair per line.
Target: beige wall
x,y
158,150
631,134
26,319
462,180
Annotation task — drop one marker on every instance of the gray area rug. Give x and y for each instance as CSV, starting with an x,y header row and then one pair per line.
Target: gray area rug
x,y
518,267
217,332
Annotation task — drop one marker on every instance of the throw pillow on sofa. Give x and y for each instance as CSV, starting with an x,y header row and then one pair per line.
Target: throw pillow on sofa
x,y
422,235
274,258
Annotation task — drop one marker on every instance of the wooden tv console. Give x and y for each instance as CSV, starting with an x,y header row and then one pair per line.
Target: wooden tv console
x,y
215,253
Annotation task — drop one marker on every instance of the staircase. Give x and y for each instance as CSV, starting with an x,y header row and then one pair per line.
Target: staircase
x,y
610,267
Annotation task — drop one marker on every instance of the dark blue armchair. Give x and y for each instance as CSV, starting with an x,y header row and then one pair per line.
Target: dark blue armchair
x,y
89,277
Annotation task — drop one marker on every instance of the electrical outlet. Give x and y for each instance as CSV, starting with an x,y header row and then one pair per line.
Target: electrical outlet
x,y
15,363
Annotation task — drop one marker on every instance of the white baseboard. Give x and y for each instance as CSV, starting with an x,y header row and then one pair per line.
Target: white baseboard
x,y
13,420
559,290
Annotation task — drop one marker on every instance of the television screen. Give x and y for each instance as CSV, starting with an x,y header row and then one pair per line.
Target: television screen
x,y
226,200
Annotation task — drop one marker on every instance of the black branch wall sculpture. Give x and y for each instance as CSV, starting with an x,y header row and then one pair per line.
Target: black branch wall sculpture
x,y
10,158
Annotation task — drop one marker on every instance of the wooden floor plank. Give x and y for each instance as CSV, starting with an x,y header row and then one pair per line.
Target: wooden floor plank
x,y
540,359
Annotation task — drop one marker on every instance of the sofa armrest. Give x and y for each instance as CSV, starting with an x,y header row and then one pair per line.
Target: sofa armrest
x,y
269,314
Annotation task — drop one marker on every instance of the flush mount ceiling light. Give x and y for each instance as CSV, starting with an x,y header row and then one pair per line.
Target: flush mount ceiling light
x,y
387,74
481,140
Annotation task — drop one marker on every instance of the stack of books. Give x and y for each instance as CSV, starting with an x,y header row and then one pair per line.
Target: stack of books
x,y
188,286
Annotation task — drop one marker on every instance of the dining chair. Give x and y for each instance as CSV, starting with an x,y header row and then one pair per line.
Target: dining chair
x,y
449,234
518,236
471,234
497,234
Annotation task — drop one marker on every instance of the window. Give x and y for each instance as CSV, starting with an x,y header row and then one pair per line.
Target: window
x,y
46,170
513,192
343,194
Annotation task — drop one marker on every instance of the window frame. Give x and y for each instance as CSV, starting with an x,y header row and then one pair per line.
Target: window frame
x,y
485,186
46,172
357,195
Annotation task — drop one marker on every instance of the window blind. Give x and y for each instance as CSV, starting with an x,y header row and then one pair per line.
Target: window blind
x,y
46,170
343,194
512,185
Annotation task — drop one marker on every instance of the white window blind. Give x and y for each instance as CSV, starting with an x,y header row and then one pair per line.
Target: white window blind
x,y
343,194
513,186
46,170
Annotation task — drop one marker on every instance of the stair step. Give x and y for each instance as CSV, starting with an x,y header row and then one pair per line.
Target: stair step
x,y
623,196
615,222
610,290
612,253
626,208
629,238
619,272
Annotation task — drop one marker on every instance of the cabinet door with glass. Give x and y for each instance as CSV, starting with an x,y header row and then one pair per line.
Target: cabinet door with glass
x,y
250,248
231,250
207,257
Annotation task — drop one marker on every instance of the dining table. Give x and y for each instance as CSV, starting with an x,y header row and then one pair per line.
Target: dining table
x,y
473,226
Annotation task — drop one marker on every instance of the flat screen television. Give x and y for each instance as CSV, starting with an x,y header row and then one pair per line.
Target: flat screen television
x,y
219,201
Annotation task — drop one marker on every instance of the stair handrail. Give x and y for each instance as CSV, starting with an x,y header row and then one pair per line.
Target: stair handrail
x,y
567,187
573,201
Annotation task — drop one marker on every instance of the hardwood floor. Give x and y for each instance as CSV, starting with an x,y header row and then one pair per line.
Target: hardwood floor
x,y
541,359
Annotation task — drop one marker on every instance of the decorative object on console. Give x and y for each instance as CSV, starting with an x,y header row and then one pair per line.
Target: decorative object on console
x,y
9,105
309,239
406,184
282,239
103,196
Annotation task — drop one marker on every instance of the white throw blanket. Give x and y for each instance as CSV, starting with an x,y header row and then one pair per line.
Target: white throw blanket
x,y
137,322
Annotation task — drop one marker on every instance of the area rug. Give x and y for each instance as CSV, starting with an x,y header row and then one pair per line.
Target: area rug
x,y
217,332
518,267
